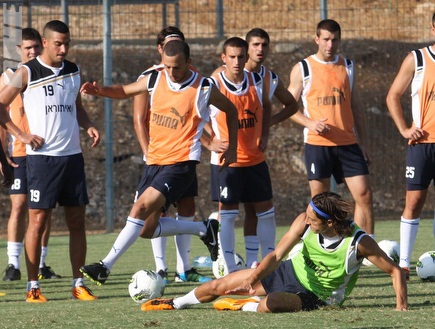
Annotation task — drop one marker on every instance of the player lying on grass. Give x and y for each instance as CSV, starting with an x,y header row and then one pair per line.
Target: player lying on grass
x,y
323,273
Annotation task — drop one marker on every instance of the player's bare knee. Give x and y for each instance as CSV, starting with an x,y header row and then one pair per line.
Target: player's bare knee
x,y
278,302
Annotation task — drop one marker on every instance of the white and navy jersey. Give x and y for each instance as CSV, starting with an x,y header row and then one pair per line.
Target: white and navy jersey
x,y
50,105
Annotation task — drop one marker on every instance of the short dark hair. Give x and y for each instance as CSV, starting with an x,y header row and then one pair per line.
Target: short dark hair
x,y
257,32
329,25
169,31
55,26
337,209
175,47
235,42
29,33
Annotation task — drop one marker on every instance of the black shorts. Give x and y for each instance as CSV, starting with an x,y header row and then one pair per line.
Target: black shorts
x,y
340,161
19,185
173,181
283,279
420,166
235,185
56,179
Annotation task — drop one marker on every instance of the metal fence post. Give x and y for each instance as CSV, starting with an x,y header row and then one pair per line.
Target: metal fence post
x,y
323,9
220,18
65,12
108,122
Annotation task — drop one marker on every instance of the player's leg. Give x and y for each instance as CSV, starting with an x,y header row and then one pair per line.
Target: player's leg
x,y
259,191
409,225
266,229
359,187
158,246
420,161
16,231
35,228
354,169
185,212
231,183
17,219
252,245
46,272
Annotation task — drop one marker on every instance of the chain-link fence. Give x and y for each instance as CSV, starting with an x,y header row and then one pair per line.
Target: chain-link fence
x,y
376,34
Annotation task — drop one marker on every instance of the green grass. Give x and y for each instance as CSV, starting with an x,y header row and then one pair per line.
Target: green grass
x,y
370,306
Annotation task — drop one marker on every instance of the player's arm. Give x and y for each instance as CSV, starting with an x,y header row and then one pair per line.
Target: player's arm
x,y
290,106
274,258
368,248
265,128
115,91
209,140
397,89
140,112
218,100
295,88
86,123
5,170
8,93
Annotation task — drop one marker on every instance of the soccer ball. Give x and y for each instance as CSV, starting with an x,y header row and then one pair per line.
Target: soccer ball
x,y
426,266
391,248
220,267
145,285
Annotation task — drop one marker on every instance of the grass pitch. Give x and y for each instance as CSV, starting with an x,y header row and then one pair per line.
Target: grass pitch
x,y
371,304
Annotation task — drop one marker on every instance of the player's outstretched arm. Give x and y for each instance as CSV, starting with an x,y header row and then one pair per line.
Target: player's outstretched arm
x,y
115,91
369,249
274,258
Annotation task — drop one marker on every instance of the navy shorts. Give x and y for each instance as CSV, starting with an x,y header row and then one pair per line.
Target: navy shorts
x,y
56,179
339,161
19,186
420,166
192,190
241,184
173,181
283,279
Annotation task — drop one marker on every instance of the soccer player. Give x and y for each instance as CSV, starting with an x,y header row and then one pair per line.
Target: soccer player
x,y
334,135
179,107
248,179
263,232
417,70
50,86
30,47
323,273
186,204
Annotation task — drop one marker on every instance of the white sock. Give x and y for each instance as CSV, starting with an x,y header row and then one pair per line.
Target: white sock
x,y
250,307
159,251
14,252
251,249
408,234
182,246
125,239
186,300
32,284
44,252
266,231
169,226
78,282
227,237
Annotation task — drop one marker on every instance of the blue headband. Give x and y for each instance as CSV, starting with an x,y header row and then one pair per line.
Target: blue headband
x,y
318,211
